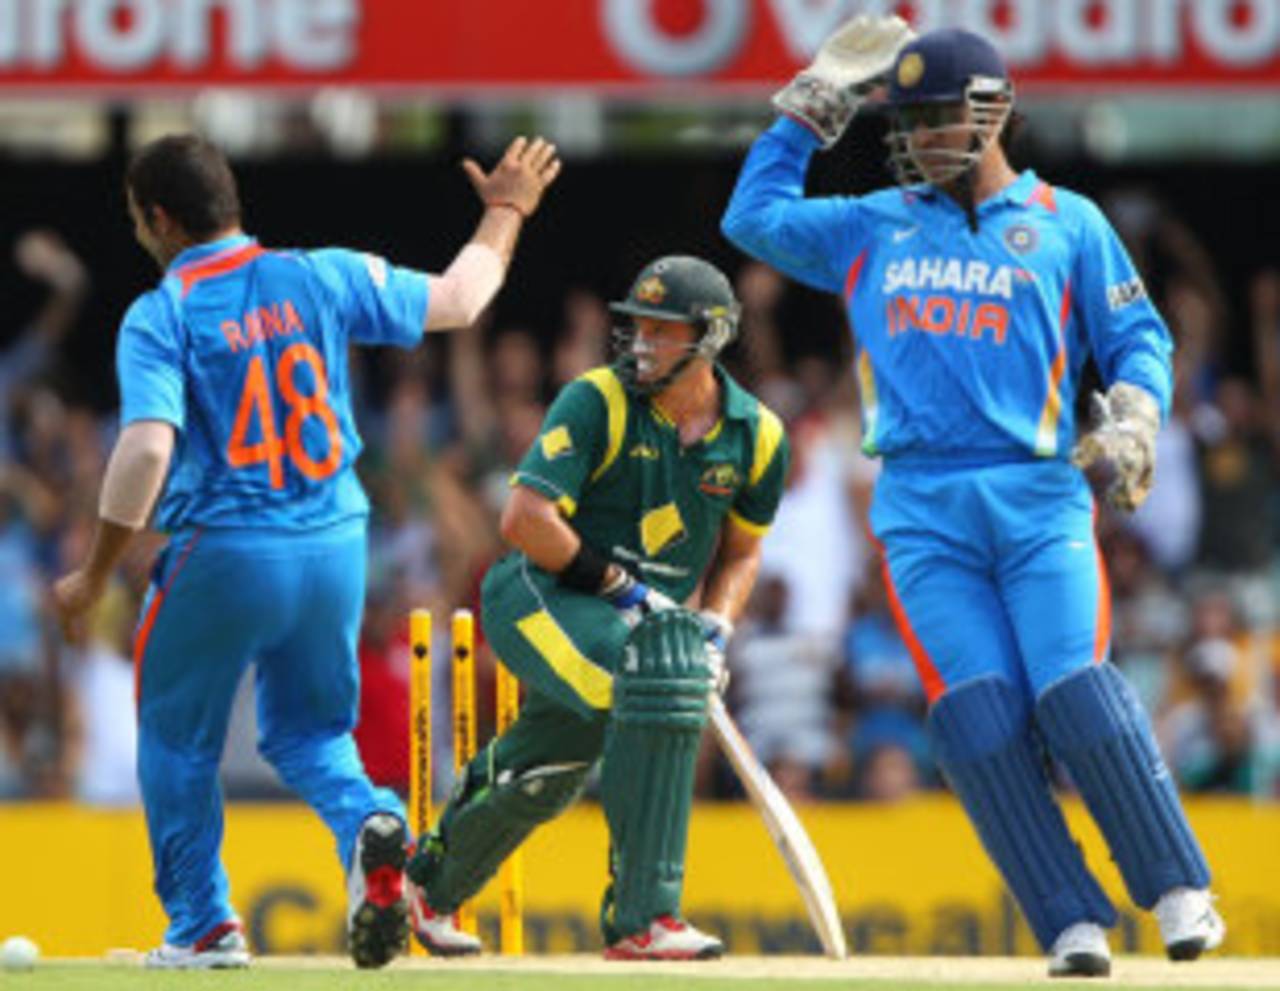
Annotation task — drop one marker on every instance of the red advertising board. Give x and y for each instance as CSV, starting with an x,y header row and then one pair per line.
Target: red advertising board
x,y
698,47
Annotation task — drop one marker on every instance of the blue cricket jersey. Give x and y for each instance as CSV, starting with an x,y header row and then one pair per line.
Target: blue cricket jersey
x,y
967,345
244,350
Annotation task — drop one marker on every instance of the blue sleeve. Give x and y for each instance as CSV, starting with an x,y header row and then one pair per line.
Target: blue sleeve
x,y
769,218
149,365
1127,336
380,303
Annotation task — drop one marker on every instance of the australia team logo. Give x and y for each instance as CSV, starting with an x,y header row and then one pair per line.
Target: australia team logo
x,y
719,480
651,290
1021,239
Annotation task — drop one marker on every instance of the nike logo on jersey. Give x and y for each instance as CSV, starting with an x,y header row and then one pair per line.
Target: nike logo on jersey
x,y
907,232
977,278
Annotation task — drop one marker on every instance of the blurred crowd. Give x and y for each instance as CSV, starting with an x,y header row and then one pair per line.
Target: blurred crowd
x,y
822,684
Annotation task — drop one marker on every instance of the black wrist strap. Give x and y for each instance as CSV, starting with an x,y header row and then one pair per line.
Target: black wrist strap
x,y
585,573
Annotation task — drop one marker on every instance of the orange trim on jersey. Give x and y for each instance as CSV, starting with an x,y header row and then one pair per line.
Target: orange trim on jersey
x,y
1047,433
855,273
1044,196
143,635
221,264
1102,634
1065,313
1060,362
934,686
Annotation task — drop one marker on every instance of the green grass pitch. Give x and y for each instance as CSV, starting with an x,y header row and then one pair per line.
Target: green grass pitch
x,y
588,972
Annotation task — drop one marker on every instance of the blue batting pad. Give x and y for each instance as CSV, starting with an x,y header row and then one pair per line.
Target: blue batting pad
x,y
1096,727
981,737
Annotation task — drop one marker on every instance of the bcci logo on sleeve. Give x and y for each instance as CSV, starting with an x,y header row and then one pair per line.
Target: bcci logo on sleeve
x,y
719,480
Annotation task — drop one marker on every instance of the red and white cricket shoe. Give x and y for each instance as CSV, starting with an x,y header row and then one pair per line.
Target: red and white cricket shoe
x,y
222,948
377,909
438,934
667,938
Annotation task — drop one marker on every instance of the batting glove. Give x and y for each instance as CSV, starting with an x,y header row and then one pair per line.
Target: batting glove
x,y
633,599
1123,434
825,96
718,630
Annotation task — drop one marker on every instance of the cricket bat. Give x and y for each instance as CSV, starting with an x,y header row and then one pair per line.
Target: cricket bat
x,y
786,830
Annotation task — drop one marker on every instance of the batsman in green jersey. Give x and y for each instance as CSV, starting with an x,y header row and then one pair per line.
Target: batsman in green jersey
x,y
651,480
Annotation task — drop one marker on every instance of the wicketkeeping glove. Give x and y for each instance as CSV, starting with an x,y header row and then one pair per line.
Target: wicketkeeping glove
x,y
633,599
825,96
1123,432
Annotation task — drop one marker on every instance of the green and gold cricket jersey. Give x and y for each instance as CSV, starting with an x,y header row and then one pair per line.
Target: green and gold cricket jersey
x,y
615,466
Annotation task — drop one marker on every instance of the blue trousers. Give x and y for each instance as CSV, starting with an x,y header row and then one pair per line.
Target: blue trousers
x,y
1001,594
220,599
993,570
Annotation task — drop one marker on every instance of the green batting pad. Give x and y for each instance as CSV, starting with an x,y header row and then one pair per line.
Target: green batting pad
x,y
651,747
489,815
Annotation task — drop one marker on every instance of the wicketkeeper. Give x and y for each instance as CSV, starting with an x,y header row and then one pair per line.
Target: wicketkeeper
x,y
977,294
649,478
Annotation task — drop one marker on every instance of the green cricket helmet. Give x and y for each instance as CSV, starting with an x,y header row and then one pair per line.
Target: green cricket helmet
x,y
682,289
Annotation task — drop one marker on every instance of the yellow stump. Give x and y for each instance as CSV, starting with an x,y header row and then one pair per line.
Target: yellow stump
x,y
419,728
464,716
511,876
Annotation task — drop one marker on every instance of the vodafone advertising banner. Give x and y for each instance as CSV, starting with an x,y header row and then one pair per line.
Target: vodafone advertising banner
x,y
688,46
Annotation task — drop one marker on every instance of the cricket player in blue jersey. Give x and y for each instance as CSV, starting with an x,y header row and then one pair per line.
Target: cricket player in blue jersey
x,y
976,295
237,428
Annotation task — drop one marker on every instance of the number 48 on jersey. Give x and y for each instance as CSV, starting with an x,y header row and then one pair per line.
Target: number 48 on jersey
x,y
257,403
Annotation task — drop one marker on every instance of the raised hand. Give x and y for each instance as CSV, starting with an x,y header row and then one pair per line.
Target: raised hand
x,y
42,254
520,177
825,96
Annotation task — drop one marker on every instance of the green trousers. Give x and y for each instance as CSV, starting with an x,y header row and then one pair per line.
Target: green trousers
x,y
565,648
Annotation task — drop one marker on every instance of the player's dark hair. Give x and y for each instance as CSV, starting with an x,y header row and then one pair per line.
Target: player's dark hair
x,y
190,179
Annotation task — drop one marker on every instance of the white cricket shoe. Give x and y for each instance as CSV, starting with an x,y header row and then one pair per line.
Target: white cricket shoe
x,y
377,910
1080,950
667,938
221,948
438,934
1189,924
